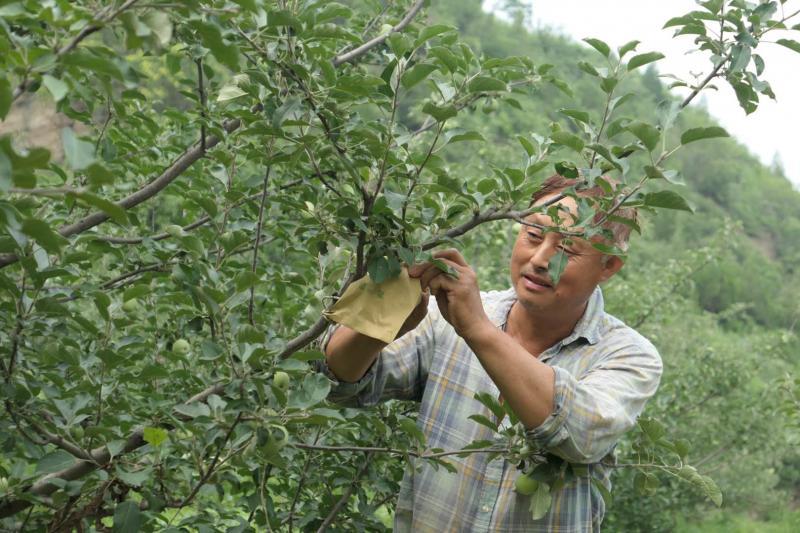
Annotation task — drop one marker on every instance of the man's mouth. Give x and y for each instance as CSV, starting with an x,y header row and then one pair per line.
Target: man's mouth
x,y
536,283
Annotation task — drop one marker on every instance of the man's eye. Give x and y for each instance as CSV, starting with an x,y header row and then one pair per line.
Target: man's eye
x,y
569,251
534,236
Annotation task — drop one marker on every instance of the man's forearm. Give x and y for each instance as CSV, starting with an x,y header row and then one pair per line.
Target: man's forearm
x,y
350,354
526,383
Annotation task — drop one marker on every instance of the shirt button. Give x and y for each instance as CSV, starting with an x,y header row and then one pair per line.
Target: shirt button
x,y
485,509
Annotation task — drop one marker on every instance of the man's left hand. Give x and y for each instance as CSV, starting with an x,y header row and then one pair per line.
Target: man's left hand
x,y
459,300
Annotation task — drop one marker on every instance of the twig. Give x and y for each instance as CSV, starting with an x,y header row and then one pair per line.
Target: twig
x,y
84,33
346,494
301,482
202,93
711,75
396,451
377,41
258,240
210,470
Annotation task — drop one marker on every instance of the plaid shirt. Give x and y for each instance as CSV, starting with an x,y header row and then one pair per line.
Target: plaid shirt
x,y
604,373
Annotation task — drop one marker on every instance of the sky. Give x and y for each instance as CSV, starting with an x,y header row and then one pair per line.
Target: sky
x,y
769,132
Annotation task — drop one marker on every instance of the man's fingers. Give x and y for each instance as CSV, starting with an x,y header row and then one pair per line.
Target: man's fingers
x,y
453,255
416,270
427,276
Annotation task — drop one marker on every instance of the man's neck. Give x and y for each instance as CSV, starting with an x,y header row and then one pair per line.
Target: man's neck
x,y
537,331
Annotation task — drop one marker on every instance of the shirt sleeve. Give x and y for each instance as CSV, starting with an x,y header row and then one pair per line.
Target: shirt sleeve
x,y
399,372
590,414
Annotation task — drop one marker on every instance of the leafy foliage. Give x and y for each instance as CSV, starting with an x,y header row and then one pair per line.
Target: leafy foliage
x,y
231,167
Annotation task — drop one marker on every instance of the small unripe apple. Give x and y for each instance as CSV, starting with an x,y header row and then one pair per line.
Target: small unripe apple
x,y
386,28
281,380
77,432
131,306
181,346
174,230
525,485
3,485
276,439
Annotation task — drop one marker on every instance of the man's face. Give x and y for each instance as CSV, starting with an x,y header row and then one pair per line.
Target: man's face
x,y
586,266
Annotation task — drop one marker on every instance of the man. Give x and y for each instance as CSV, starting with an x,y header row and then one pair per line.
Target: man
x,y
576,377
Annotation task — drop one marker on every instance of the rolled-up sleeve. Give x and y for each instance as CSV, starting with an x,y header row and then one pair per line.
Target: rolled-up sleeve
x,y
591,413
399,372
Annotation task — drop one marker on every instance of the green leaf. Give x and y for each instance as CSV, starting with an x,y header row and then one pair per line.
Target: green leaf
x,y
679,21
568,139
155,436
696,134
643,59
603,490
5,97
627,47
599,45
710,489
482,84
117,213
788,43
79,153
432,31
87,61
53,462
540,501
577,114
127,518
646,133
440,113
457,134
491,403
556,266
193,410
159,22
740,57
482,420
134,478
43,234
588,68
57,88
416,74
229,92
667,200
313,390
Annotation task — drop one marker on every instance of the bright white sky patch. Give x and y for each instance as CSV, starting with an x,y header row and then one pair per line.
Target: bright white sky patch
x,y
772,130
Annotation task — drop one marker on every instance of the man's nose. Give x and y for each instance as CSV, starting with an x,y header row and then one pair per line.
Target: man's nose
x,y
540,259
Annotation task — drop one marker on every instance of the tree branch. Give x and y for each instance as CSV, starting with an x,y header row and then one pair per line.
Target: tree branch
x,y
346,494
169,175
379,40
83,34
258,239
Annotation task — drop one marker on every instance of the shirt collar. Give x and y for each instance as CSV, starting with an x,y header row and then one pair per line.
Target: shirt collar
x,y
588,327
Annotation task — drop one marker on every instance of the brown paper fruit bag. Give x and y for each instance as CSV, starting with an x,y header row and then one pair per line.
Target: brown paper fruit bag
x,y
377,310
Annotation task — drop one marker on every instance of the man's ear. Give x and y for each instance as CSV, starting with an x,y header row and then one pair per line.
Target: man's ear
x,y
612,265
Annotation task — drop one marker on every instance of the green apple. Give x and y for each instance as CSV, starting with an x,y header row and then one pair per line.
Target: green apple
x,y
276,439
131,306
525,485
181,346
174,230
281,380
77,432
